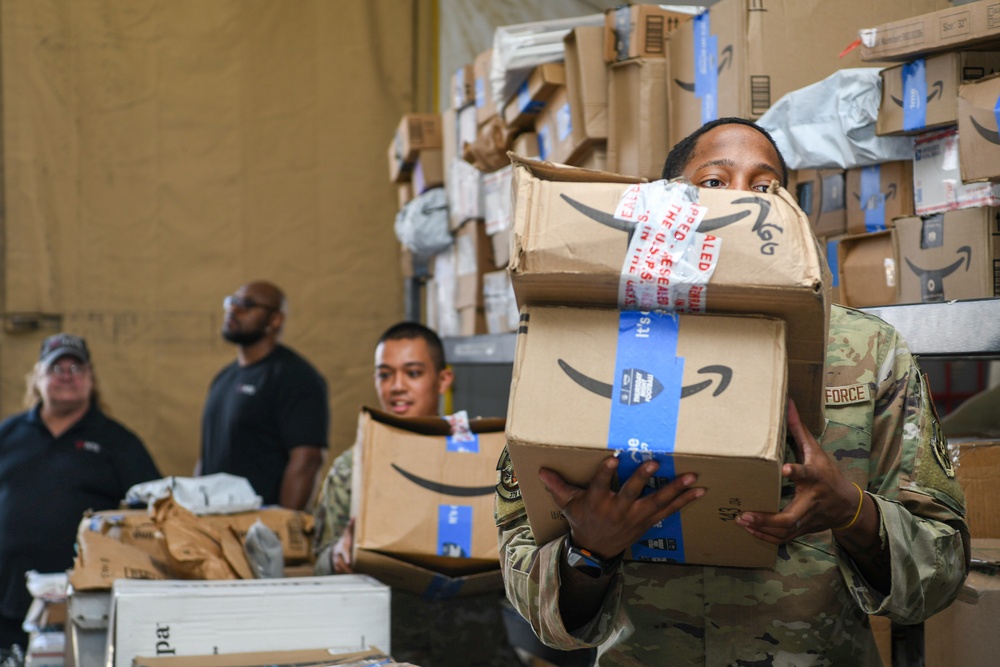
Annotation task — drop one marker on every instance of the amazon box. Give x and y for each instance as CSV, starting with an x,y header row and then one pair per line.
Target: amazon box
x,y
424,496
522,109
978,138
949,256
591,382
185,618
297,658
473,258
972,24
878,194
923,94
821,196
586,85
639,31
463,87
741,56
638,133
867,267
978,470
937,179
569,248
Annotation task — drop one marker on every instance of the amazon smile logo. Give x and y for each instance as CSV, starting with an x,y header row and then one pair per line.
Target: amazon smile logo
x,y
890,193
445,489
724,63
765,231
989,135
932,280
938,87
648,387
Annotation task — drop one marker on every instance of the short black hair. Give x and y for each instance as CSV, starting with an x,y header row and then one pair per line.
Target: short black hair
x,y
411,330
681,153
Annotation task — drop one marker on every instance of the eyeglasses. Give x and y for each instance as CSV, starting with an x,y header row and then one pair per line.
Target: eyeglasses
x,y
73,370
243,303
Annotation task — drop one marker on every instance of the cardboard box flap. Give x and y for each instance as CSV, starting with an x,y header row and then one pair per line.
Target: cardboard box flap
x,y
433,425
300,658
552,171
415,577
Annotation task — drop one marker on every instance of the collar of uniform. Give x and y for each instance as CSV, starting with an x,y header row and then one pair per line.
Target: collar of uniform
x,y
93,414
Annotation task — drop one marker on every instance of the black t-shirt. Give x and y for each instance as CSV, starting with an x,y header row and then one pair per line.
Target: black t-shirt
x,y
47,483
256,414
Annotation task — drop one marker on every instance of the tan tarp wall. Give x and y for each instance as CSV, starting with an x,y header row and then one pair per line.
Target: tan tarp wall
x,y
156,155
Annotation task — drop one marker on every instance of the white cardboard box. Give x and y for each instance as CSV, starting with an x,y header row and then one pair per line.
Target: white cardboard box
x,y
174,618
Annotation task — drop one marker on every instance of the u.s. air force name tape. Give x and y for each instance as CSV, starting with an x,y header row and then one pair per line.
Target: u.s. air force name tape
x,y
669,262
455,531
644,407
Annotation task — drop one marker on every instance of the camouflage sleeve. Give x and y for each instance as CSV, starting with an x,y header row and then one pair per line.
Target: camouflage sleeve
x,y
921,504
333,511
531,574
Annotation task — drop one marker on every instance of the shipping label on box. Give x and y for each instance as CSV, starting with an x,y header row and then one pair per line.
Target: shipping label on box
x,y
876,195
867,267
821,195
496,200
978,135
929,31
586,84
178,618
638,134
591,382
923,94
569,248
445,482
502,315
464,193
937,180
949,256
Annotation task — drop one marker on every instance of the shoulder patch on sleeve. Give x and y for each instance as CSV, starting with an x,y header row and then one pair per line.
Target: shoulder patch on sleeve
x,y
936,467
507,503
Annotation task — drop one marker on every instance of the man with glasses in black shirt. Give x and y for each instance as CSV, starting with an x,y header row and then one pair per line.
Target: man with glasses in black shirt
x,y
267,415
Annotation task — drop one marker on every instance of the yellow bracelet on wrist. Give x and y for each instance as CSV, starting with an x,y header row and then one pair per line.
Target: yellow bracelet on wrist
x,y
857,513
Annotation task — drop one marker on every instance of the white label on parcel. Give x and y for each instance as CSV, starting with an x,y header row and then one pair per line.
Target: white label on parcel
x,y
669,262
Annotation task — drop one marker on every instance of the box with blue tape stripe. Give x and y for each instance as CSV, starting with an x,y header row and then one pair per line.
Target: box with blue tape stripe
x,y
699,393
424,497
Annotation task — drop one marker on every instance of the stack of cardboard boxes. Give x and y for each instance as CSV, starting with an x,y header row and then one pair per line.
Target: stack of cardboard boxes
x,y
924,230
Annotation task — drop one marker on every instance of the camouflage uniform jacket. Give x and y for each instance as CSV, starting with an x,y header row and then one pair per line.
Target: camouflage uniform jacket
x,y
458,632
811,607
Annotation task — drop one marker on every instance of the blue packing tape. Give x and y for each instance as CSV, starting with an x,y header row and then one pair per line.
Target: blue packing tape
x,y
915,95
706,63
872,198
454,536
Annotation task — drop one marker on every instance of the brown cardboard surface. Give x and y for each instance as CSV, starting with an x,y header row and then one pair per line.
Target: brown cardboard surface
x,y
894,198
473,258
948,256
485,107
882,630
821,195
978,471
428,170
138,195
522,109
953,28
472,320
638,134
526,144
303,658
594,158
868,270
943,76
553,125
100,560
407,462
414,578
586,84
760,55
965,633
557,419
978,139
415,132
638,31
562,255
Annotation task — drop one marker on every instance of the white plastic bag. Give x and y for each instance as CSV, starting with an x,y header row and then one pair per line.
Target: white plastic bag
x,y
220,493
831,123
422,225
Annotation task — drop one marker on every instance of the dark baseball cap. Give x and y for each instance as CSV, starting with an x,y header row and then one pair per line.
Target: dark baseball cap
x,y
63,344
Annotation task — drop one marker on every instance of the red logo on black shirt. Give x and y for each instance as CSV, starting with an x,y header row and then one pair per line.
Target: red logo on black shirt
x,y
88,445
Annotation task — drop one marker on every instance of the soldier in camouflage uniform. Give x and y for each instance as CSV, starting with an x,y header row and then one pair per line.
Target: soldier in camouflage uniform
x,y
871,519
410,376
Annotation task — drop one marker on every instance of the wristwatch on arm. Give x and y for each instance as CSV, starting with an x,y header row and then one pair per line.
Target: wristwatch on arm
x,y
590,564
